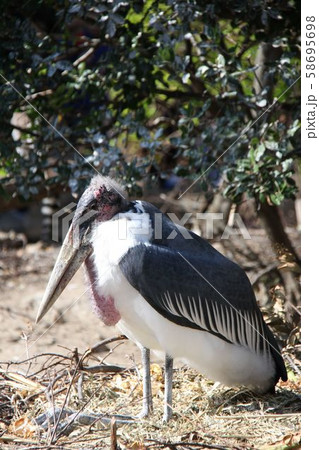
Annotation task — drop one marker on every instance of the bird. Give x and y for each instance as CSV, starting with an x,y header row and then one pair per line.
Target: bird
x,y
168,290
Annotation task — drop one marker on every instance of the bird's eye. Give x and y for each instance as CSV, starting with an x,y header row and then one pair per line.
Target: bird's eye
x,y
112,196
92,205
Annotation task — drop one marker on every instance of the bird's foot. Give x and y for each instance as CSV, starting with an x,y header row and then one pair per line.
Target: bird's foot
x,y
146,412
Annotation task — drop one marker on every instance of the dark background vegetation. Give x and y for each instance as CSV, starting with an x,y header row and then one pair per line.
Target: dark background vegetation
x,y
159,95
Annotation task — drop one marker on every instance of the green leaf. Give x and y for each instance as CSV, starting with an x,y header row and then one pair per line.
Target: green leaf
x,y
259,152
220,61
110,27
201,71
271,145
276,198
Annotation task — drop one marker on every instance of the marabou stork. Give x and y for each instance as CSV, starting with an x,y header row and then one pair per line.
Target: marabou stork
x,y
166,289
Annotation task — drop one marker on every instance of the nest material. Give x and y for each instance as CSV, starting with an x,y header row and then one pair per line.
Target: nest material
x,y
205,416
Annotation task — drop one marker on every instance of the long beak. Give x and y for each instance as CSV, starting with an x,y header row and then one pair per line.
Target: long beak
x,y
69,261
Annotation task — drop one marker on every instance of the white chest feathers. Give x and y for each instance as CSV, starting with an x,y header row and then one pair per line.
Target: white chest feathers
x,y
113,238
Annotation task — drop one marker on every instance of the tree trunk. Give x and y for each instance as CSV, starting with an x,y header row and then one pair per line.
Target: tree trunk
x,y
268,214
287,256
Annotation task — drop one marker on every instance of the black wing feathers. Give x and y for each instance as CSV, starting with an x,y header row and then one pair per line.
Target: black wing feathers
x,y
201,290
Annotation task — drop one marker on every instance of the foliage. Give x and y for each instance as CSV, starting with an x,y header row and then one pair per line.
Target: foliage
x,y
150,88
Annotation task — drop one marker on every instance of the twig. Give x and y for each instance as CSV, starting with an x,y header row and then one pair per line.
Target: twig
x,y
174,445
264,416
45,447
76,358
80,385
39,94
83,57
44,368
263,272
297,370
77,417
9,363
103,343
53,440
295,309
103,368
49,390
15,439
113,434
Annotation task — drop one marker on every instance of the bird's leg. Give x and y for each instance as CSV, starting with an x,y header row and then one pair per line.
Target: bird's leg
x,y
147,386
168,388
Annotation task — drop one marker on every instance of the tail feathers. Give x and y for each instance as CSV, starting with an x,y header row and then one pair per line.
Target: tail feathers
x,y
281,371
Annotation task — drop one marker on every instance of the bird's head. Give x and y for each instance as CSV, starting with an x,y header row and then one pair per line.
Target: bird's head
x,y
102,200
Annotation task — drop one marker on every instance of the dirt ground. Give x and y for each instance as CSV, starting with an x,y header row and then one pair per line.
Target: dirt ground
x,y
203,416
70,323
